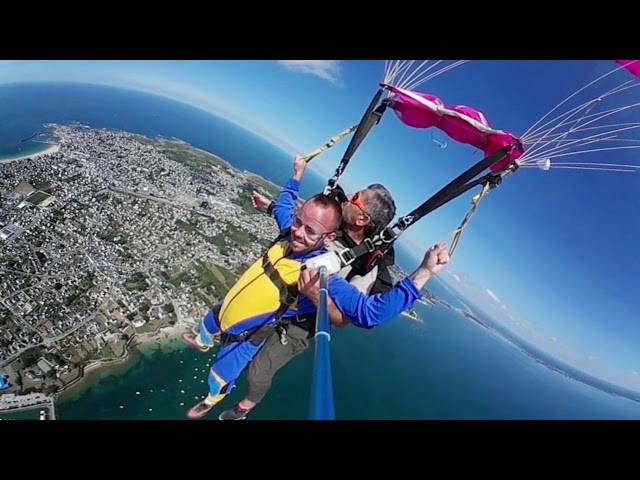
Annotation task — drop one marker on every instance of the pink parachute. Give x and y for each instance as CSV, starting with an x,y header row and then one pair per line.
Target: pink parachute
x,y
461,123
632,65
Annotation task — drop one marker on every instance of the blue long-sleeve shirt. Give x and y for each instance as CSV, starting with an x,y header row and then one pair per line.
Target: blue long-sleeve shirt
x,y
366,311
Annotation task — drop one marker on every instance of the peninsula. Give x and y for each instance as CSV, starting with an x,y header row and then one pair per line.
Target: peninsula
x,y
110,239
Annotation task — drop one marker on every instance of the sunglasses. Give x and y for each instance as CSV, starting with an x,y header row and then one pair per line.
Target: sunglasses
x,y
355,199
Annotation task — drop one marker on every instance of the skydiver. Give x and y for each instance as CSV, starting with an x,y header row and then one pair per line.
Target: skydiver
x,y
363,214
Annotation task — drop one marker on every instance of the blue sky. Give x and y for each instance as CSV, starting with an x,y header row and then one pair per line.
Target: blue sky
x,y
556,247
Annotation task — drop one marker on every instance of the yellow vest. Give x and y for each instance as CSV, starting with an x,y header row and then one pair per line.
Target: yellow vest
x,y
254,294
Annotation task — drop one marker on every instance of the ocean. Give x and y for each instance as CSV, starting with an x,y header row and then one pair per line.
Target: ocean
x,y
448,367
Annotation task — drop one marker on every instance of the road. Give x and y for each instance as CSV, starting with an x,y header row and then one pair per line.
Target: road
x,y
48,340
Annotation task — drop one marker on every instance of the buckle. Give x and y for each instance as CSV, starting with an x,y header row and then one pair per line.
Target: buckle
x,y
370,245
346,256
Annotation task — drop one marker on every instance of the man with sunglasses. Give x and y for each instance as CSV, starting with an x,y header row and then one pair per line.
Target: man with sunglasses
x,y
364,213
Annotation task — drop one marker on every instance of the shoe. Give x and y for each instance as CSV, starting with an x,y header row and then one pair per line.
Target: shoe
x,y
235,413
199,410
190,339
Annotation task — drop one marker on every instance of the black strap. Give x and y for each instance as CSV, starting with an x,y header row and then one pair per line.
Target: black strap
x,y
254,335
452,190
288,293
371,117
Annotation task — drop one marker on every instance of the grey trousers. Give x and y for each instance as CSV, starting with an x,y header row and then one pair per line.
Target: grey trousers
x,y
271,358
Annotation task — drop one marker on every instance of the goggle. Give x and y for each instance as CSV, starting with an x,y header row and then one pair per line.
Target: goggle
x,y
309,232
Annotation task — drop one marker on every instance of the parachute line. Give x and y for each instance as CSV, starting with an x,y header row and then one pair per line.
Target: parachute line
x,y
584,129
599,116
535,153
417,72
569,98
419,82
402,73
620,88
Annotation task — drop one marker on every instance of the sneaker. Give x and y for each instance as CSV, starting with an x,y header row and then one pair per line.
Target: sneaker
x,y
199,410
190,339
235,413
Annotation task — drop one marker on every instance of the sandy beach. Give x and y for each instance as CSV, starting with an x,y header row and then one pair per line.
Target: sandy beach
x,y
161,336
52,149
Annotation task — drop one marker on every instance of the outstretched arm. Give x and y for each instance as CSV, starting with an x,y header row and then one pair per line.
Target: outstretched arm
x,y
382,283
336,317
284,206
370,311
373,310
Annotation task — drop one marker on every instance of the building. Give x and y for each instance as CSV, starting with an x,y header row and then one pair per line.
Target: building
x,y
44,365
4,382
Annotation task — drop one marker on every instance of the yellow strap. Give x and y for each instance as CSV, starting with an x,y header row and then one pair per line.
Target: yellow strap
x,y
310,156
457,233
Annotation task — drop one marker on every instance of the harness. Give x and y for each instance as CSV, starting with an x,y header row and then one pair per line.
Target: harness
x,y
288,296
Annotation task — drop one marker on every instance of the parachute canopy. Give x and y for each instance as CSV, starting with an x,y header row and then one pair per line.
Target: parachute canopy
x,y
461,123
632,65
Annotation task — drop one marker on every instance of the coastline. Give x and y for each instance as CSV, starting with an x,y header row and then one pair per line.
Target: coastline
x,y
158,338
54,148
412,317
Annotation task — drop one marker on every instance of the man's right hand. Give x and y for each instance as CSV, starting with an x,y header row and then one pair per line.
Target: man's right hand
x,y
260,201
435,259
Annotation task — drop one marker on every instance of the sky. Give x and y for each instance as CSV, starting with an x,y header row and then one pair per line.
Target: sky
x,y
554,251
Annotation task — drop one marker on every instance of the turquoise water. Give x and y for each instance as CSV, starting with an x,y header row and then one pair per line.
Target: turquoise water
x,y
445,368
448,367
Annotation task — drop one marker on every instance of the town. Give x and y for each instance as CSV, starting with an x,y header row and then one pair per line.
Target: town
x,y
113,236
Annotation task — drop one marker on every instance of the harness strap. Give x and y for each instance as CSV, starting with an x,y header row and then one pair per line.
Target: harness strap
x,y
474,204
371,117
288,293
332,141
383,240
288,296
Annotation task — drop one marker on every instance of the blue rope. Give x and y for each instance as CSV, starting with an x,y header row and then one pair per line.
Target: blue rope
x,y
322,407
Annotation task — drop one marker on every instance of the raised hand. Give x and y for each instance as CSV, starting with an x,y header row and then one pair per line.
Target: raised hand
x,y
259,201
435,259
